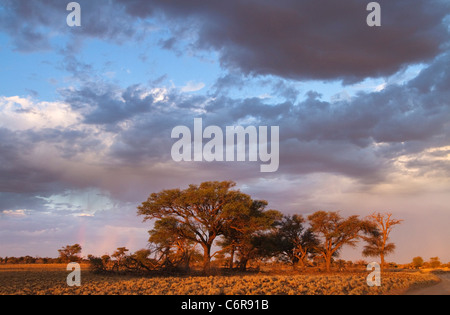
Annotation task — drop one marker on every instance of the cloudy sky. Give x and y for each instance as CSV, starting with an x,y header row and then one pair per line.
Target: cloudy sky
x,y
86,113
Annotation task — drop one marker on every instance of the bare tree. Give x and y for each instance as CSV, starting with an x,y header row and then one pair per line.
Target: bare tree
x,y
377,243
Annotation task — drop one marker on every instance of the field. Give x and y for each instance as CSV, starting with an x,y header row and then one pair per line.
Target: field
x,y
51,280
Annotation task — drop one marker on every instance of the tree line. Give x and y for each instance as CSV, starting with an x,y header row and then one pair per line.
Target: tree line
x,y
214,215
69,253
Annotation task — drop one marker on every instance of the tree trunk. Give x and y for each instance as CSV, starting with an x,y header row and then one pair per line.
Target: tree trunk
x,y
206,258
232,257
186,261
328,262
301,262
382,262
243,264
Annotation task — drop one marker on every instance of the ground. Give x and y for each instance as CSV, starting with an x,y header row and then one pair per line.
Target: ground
x,y
51,280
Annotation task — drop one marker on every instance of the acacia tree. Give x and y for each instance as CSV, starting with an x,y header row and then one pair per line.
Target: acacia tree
x,y
70,253
173,242
377,243
204,211
335,231
293,241
243,230
142,260
121,257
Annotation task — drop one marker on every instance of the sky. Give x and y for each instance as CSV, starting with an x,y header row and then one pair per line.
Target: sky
x,y
86,113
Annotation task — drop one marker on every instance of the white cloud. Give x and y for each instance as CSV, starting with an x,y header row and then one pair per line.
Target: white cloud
x,y
158,94
380,87
192,86
18,113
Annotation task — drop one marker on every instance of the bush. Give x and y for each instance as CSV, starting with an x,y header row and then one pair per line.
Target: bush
x,y
96,264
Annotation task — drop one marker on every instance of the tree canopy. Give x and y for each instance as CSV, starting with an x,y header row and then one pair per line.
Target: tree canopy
x,y
334,232
70,253
203,212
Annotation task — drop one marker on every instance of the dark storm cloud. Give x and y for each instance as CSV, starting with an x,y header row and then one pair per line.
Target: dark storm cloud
x,y
23,180
15,172
307,39
22,171
20,201
360,137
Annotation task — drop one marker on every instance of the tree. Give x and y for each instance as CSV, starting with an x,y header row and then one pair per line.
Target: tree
x,y
96,264
377,243
70,253
292,241
142,260
120,254
242,231
203,211
435,262
417,262
334,232
173,242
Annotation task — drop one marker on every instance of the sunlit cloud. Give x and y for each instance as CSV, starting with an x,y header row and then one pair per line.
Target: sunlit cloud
x,y
14,213
18,113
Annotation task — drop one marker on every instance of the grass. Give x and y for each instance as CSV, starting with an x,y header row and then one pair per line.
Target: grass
x,y
51,280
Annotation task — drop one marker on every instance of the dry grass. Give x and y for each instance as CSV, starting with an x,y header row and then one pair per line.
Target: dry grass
x,y
51,280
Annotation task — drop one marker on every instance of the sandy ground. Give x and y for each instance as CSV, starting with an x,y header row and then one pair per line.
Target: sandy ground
x,y
442,288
